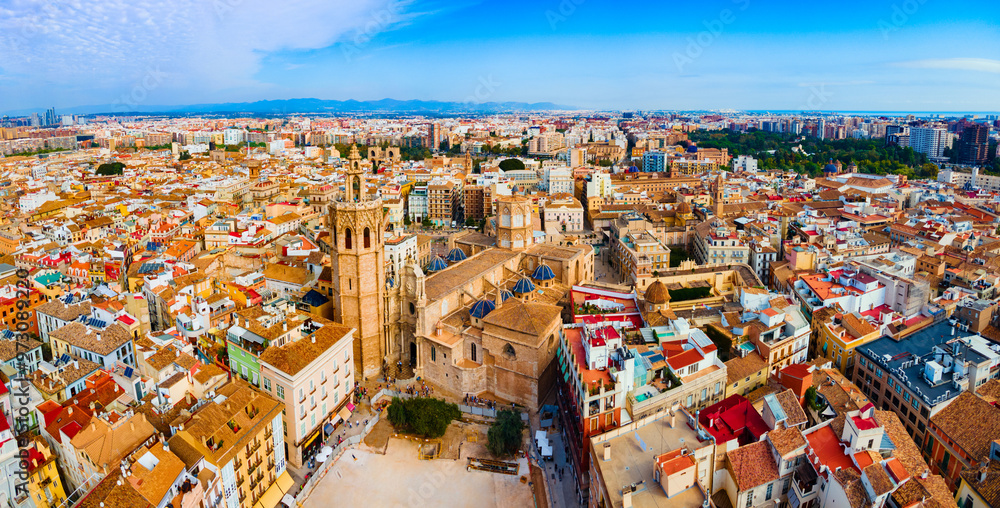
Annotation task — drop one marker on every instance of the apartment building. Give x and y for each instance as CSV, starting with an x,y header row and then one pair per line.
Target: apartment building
x,y
716,242
444,198
919,374
675,469
237,436
959,437
313,379
105,346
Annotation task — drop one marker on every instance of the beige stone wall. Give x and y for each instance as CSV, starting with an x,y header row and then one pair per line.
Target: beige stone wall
x,y
359,280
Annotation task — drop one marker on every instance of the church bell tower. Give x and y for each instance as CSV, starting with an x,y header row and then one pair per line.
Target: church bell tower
x,y
357,260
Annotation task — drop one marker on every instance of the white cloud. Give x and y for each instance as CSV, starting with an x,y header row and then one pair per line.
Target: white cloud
x,y
203,44
958,64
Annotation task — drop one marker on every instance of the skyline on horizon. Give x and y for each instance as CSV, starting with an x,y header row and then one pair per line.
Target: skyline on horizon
x,y
887,56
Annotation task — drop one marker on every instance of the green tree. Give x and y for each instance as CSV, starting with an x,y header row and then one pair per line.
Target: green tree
x,y
811,399
185,155
426,223
111,168
397,413
511,164
504,437
470,222
423,416
928,170
406,220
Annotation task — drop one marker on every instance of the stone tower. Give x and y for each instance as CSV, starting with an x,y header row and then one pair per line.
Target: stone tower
x,y
719,190
515,230
357,260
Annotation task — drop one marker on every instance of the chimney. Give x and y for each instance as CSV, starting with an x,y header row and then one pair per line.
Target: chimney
x,y
627,499
923,475
673,420
187,398
131,426
607,451
285,326
313,338
70,410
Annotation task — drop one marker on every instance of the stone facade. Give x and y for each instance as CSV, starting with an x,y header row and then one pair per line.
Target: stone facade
x,y
357,260
514,224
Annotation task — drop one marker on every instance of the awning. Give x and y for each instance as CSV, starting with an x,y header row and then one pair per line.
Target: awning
x,y
271,497
307,442
328,428
350,406
288,501
285,482
344,413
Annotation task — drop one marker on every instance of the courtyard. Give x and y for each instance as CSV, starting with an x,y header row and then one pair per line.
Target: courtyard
x,y
399,479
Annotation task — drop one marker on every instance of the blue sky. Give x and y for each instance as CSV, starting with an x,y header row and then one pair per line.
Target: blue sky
x,y
913,55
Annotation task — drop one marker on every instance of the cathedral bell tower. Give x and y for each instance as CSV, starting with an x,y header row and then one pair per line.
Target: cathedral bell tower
x,y
357,261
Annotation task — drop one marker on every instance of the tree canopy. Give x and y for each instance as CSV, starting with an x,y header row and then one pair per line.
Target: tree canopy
x,y
422,416
511,164
504,437
111,168
774,151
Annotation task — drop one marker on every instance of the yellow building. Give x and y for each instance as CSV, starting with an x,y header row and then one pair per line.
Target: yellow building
x,y
242,433
841,335
746,374
44,486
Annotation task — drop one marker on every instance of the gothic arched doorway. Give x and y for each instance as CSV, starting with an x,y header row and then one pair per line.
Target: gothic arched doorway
x,y
413,354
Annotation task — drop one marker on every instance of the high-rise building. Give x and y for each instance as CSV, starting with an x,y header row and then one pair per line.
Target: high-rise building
x,y
821,129
930,140
358,264
974,144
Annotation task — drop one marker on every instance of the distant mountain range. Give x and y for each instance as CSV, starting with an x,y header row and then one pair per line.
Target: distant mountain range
x,y
291,106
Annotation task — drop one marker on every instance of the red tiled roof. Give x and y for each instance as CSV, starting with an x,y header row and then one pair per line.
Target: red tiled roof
x,y
825,443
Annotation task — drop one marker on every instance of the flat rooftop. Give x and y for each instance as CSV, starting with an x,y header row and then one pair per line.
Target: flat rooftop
x,y
891,355
631,463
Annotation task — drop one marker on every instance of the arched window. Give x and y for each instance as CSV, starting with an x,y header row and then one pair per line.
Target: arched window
x,y
347,239
368,238
508,351
473,355
333,233
357,188
433,354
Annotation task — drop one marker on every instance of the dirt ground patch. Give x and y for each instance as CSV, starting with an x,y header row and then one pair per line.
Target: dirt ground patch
x,y
538,485
379,435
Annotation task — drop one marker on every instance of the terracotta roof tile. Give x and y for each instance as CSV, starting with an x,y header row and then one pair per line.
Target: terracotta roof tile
x,y
752,465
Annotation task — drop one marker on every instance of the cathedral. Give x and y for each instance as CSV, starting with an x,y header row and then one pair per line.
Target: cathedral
x,y
483,319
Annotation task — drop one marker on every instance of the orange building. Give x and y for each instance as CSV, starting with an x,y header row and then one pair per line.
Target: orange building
x,y
9,310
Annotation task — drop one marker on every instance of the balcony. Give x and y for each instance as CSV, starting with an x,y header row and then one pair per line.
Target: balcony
x,y
253,447
239,479
804,481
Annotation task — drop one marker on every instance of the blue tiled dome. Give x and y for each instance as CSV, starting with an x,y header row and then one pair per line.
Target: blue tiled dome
x,y
456,255
543,273
437,265
829,168
692,149
504,295
481,308
524,286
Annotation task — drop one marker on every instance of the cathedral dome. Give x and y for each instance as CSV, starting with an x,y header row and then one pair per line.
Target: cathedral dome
x,y
481,308
456,255
437,265
524,286
543,273
657,294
